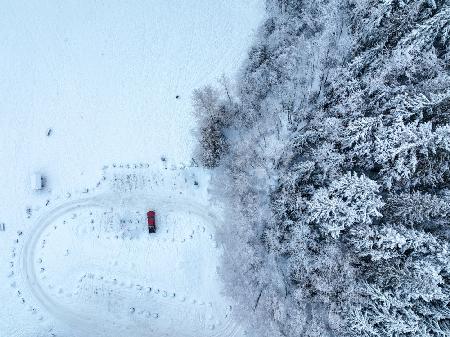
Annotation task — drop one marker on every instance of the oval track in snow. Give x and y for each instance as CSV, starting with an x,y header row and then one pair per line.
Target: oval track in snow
x,y
89,325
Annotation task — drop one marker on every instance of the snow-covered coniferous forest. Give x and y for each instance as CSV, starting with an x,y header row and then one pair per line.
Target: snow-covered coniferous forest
x,y
331,150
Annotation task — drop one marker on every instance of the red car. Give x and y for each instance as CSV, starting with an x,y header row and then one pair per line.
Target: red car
x,y
151,221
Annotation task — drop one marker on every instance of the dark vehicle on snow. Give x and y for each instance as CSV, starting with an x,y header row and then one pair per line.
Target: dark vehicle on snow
x,y
151,221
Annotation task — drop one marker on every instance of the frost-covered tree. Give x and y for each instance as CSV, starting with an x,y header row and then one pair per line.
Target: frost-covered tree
x,y
213,113
348,202
404,283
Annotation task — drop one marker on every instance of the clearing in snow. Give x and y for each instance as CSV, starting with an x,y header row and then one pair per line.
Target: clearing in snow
x,y
90,262
103,83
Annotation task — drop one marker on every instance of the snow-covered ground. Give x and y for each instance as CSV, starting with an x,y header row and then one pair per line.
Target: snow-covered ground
x,y
89,261
113,82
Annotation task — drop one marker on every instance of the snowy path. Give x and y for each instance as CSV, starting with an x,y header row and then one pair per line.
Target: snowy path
x,y
89,324
28,258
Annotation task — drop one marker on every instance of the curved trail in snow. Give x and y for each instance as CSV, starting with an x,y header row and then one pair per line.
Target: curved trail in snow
x,y
88,324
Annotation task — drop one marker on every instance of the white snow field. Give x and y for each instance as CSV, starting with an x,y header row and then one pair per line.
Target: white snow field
x,y
107,84
90,262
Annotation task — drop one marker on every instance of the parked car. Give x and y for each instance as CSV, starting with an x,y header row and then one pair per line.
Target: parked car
x,y
151,221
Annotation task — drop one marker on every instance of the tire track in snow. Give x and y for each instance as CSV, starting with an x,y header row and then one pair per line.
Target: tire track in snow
x,y
78,321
